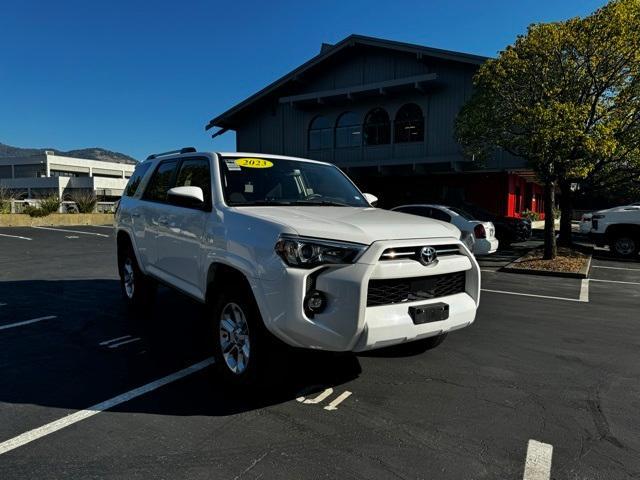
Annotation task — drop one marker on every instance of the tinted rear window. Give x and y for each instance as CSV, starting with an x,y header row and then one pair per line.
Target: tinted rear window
x,y
134,182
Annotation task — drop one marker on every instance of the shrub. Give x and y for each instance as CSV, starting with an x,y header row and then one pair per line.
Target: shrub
x,y
529,215
5,200
47,206
85,200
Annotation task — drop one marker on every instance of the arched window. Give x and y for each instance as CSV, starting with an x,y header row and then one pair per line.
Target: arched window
x,y
377,127
320,134
409,124
348,131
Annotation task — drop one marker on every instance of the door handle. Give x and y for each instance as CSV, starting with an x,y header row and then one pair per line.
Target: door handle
x,y
163,221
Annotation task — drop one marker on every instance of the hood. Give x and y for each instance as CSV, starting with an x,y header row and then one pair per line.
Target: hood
x,y
350,224
624,208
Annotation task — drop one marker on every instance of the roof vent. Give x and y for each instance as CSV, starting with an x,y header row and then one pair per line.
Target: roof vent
x,y
325,47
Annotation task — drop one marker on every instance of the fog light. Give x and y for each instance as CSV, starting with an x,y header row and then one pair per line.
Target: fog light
x,y
315,301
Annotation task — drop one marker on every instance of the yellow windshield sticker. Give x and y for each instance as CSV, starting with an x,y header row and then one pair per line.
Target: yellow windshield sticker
x,y
254,163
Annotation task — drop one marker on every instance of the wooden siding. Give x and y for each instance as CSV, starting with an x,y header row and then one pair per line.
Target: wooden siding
x,y
283,128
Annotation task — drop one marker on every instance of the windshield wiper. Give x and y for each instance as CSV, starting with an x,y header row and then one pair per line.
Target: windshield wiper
x,y
331,203
260,203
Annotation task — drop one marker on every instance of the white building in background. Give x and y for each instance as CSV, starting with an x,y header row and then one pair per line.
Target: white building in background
x,y
46,173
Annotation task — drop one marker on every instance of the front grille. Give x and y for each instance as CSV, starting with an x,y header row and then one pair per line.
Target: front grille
x,y
398,290
413,253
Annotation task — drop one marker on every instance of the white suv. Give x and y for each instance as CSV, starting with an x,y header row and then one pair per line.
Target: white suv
x,y
618,227
289,248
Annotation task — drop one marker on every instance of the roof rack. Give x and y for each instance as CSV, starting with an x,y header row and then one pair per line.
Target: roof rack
x,y
171,152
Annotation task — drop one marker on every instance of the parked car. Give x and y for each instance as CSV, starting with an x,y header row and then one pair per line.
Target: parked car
x,y
619,228
508,229
483,233
288,248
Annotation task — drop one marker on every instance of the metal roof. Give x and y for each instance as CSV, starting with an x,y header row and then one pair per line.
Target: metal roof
x,y
222,120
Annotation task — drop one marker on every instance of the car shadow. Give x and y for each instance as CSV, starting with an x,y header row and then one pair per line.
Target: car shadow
x,y
65,362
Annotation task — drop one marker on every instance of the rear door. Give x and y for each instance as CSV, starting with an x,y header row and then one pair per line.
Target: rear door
x,y
152,207
181,229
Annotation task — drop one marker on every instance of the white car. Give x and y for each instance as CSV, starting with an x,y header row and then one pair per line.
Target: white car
x,y
483,233
619,228
585,222
289,248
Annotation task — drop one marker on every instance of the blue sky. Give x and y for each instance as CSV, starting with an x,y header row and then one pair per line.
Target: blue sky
x,y
140,77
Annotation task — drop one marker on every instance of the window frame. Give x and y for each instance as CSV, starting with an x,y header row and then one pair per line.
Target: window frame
x,y
378,125
341,128
322,130
145,166
420,120
208,206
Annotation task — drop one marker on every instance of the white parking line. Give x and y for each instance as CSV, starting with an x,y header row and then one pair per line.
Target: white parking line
x,y
616,268
584,290
319,398
15,236
533,295
615,281
538,463
64,422
341,398
131,340
117,339
27,322
73,231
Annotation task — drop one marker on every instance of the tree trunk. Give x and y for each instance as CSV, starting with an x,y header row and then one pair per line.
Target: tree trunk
x,y
566,213
550,249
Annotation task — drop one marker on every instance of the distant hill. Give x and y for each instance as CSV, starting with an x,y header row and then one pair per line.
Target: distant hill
x,y
90,153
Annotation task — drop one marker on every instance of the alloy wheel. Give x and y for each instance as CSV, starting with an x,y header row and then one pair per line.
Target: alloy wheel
x,y
234,338
128,277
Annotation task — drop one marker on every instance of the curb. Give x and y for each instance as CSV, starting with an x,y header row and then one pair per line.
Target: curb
x,y
583,273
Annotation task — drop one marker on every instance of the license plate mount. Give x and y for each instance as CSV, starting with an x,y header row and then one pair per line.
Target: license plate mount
x,y
433,312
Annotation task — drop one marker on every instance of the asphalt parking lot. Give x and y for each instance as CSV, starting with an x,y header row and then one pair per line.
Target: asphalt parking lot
x,y
548,374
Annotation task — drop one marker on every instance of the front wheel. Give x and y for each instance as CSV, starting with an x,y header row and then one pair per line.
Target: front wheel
x,y
238,338
624,245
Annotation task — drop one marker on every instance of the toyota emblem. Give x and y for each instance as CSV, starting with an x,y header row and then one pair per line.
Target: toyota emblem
x,y
428,255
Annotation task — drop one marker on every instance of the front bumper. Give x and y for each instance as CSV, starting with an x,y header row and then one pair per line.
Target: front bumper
x,y
348,323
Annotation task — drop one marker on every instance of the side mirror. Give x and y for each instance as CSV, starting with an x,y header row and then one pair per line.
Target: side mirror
x,y
190,197
372,199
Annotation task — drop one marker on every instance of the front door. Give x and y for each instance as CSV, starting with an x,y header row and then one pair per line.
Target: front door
x,y
181,230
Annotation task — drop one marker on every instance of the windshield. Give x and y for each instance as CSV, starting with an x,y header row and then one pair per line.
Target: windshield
x,y
261,181
462,213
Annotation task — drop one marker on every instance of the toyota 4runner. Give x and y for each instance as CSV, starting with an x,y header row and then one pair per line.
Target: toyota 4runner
x,y
289,248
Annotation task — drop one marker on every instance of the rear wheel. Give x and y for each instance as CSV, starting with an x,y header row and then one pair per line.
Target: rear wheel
x,y
625,245
137,288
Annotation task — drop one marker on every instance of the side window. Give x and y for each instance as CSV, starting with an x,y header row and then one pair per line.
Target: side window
x,y
136,178
160,182
195,172
421,211
440,215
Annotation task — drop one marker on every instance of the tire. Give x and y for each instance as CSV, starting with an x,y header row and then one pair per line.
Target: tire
x,y
625,245
138,290
240,340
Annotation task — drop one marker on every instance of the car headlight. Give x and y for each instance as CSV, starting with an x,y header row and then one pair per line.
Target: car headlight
x,y
310,252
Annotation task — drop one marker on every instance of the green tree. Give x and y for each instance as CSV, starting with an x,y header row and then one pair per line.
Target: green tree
x,y
566,98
